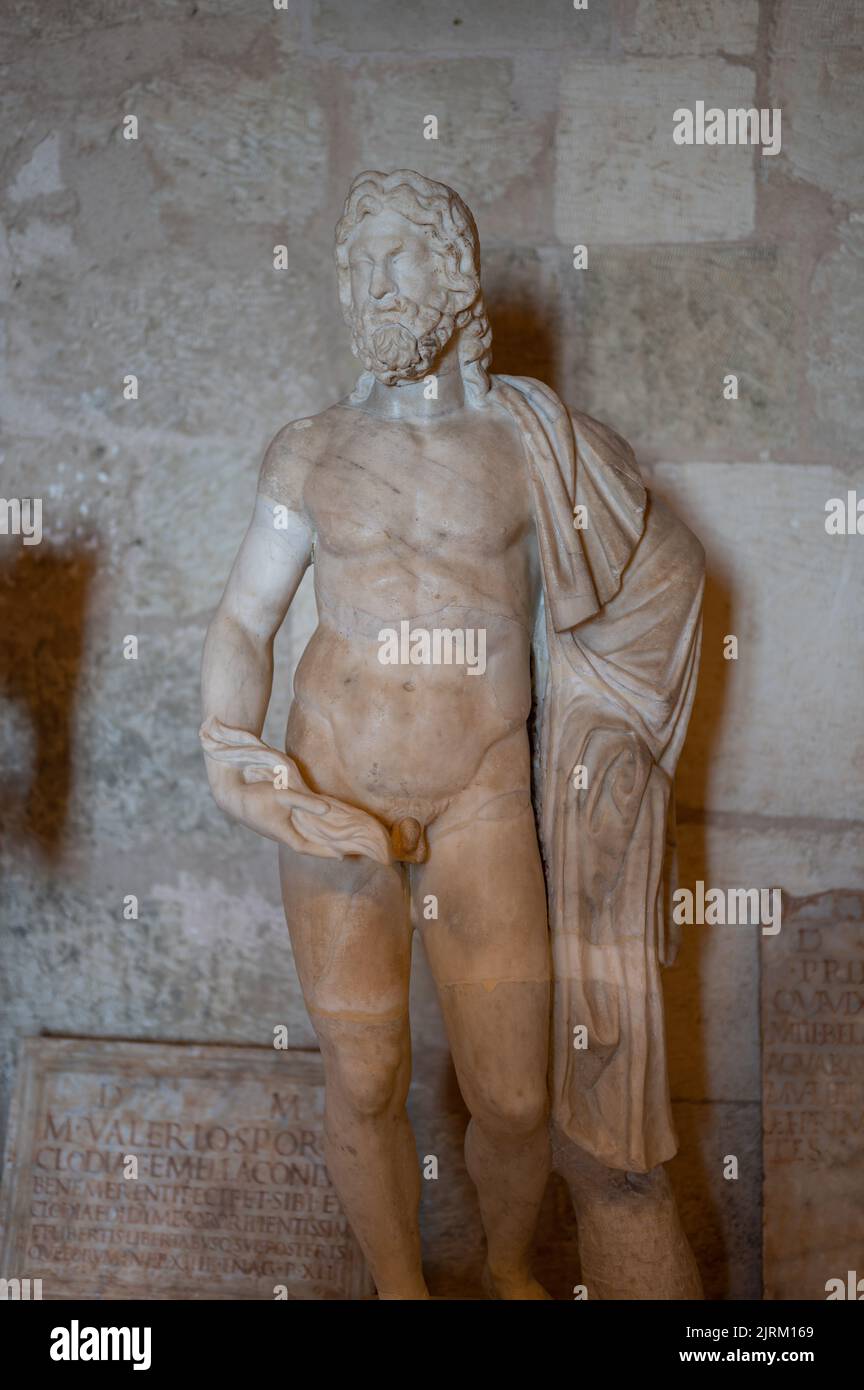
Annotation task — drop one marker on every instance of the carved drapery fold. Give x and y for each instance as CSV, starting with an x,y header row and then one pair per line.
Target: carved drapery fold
x,y
620,653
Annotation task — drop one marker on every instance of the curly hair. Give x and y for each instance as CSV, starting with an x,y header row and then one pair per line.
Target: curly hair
x,y
451,229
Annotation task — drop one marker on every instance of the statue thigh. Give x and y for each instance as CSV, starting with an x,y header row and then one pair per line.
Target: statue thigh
x,y
479,903
350,931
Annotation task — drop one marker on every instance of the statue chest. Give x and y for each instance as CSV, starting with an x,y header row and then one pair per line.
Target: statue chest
x,y
427,498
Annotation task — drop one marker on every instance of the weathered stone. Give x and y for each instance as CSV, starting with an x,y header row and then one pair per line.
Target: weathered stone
x,y
753,746
40,176
111,1142
801,854
813,1098
802,26
391,24
172,323
229,152
835,345
621,179
819,93
649,338
207,952
712,1010
55,22
487,140
722,1216
658,27
712,993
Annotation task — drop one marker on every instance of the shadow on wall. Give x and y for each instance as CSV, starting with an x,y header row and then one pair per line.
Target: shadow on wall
x,y
43,611
698,1124
524,342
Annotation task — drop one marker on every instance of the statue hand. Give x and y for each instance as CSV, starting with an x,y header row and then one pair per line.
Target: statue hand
x,y
268,795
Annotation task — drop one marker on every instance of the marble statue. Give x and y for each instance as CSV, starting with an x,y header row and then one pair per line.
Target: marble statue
x,y
481,747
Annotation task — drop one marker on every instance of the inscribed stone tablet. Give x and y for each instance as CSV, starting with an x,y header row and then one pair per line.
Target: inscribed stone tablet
x,y
813,1097
231,1199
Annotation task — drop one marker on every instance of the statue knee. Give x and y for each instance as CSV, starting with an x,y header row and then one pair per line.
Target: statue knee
x,y
507,1115
371,1079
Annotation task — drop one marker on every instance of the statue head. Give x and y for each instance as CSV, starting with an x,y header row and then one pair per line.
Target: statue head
x,y
408,259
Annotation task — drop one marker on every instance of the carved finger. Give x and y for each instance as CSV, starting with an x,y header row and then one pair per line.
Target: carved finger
x,y
347,831
294,839
302,801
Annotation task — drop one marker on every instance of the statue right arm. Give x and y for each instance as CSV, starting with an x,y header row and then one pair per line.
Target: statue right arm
x,y
237,670
237,677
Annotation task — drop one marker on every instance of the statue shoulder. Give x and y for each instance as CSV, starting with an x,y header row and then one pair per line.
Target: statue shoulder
x,y
609,446
683,546
664,527
594,440
292,454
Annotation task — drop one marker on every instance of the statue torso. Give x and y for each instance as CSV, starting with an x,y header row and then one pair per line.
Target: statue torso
x,y
430,526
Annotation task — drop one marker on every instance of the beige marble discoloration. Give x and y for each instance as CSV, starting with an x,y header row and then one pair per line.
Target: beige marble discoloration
x,y
437,499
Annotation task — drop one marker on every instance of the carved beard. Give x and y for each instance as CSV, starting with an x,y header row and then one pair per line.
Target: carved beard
x,y
401,342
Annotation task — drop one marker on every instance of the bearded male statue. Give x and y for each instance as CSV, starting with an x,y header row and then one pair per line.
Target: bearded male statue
x,y
481,554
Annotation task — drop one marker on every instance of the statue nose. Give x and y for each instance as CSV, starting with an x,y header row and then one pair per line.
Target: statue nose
x,y
381,285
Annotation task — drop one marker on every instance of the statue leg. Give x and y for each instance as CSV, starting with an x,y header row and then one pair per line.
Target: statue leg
x,y
351,934
631,1241
488,952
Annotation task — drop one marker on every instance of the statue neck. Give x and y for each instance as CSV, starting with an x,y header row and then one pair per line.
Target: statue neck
x,y
413,401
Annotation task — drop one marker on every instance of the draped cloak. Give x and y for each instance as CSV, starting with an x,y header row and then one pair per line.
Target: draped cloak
x,y
616,655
